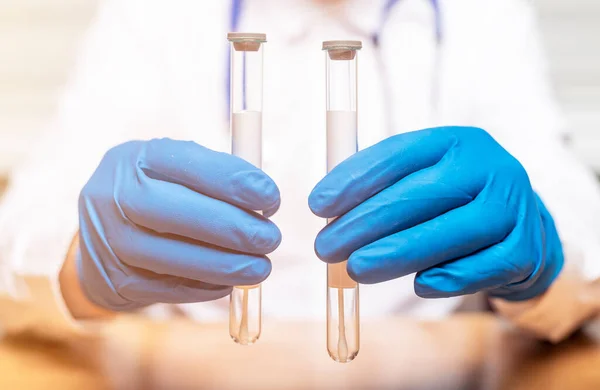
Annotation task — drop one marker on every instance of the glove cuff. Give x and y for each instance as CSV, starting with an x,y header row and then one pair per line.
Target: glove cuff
x,y
535,285
95,283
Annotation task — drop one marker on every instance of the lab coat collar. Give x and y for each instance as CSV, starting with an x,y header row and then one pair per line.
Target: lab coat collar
x,y
365,16
296,18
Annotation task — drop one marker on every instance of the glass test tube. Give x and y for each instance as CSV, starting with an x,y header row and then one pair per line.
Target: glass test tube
x,y
246,142
343,323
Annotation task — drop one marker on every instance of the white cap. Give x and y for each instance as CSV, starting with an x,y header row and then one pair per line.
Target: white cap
x,y
342,45
245,37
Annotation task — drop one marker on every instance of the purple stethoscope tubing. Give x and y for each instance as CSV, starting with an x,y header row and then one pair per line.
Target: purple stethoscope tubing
x,y
236,13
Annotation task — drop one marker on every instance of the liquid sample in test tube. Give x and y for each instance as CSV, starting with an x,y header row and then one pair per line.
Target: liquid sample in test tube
x,y
246,50
343,320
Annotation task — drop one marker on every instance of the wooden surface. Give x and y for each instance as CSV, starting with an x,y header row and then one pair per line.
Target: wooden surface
x,y
466,352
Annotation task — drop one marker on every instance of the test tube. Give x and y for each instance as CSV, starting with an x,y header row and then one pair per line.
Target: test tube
x,y
246,56
343,322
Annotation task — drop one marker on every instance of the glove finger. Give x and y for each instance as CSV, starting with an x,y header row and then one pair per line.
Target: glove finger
x,y
185,258
458,233
271,211
147,288
491,268
215,174
371,170
413,200
171,208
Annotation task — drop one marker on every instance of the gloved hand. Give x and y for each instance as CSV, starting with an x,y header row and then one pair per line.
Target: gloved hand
x,y
447,203
170,221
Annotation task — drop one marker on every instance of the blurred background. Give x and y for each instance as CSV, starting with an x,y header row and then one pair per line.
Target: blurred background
x,y
35,32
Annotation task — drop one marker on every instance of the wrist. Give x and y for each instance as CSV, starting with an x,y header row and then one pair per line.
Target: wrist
x,y
534,286
79,305
559,310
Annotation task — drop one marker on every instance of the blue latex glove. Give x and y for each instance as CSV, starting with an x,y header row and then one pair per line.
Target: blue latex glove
x,y
170,221
449,204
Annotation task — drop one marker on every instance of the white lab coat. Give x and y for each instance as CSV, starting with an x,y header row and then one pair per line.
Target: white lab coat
x,y
157,69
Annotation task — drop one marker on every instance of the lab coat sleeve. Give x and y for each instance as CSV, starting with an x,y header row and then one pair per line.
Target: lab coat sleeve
x,y
515,103
113,96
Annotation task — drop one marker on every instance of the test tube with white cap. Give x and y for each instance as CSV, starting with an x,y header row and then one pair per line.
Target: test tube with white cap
x,y
246,55
343,323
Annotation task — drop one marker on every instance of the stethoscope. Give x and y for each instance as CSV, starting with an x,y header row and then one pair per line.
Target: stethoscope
x,y
236,12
